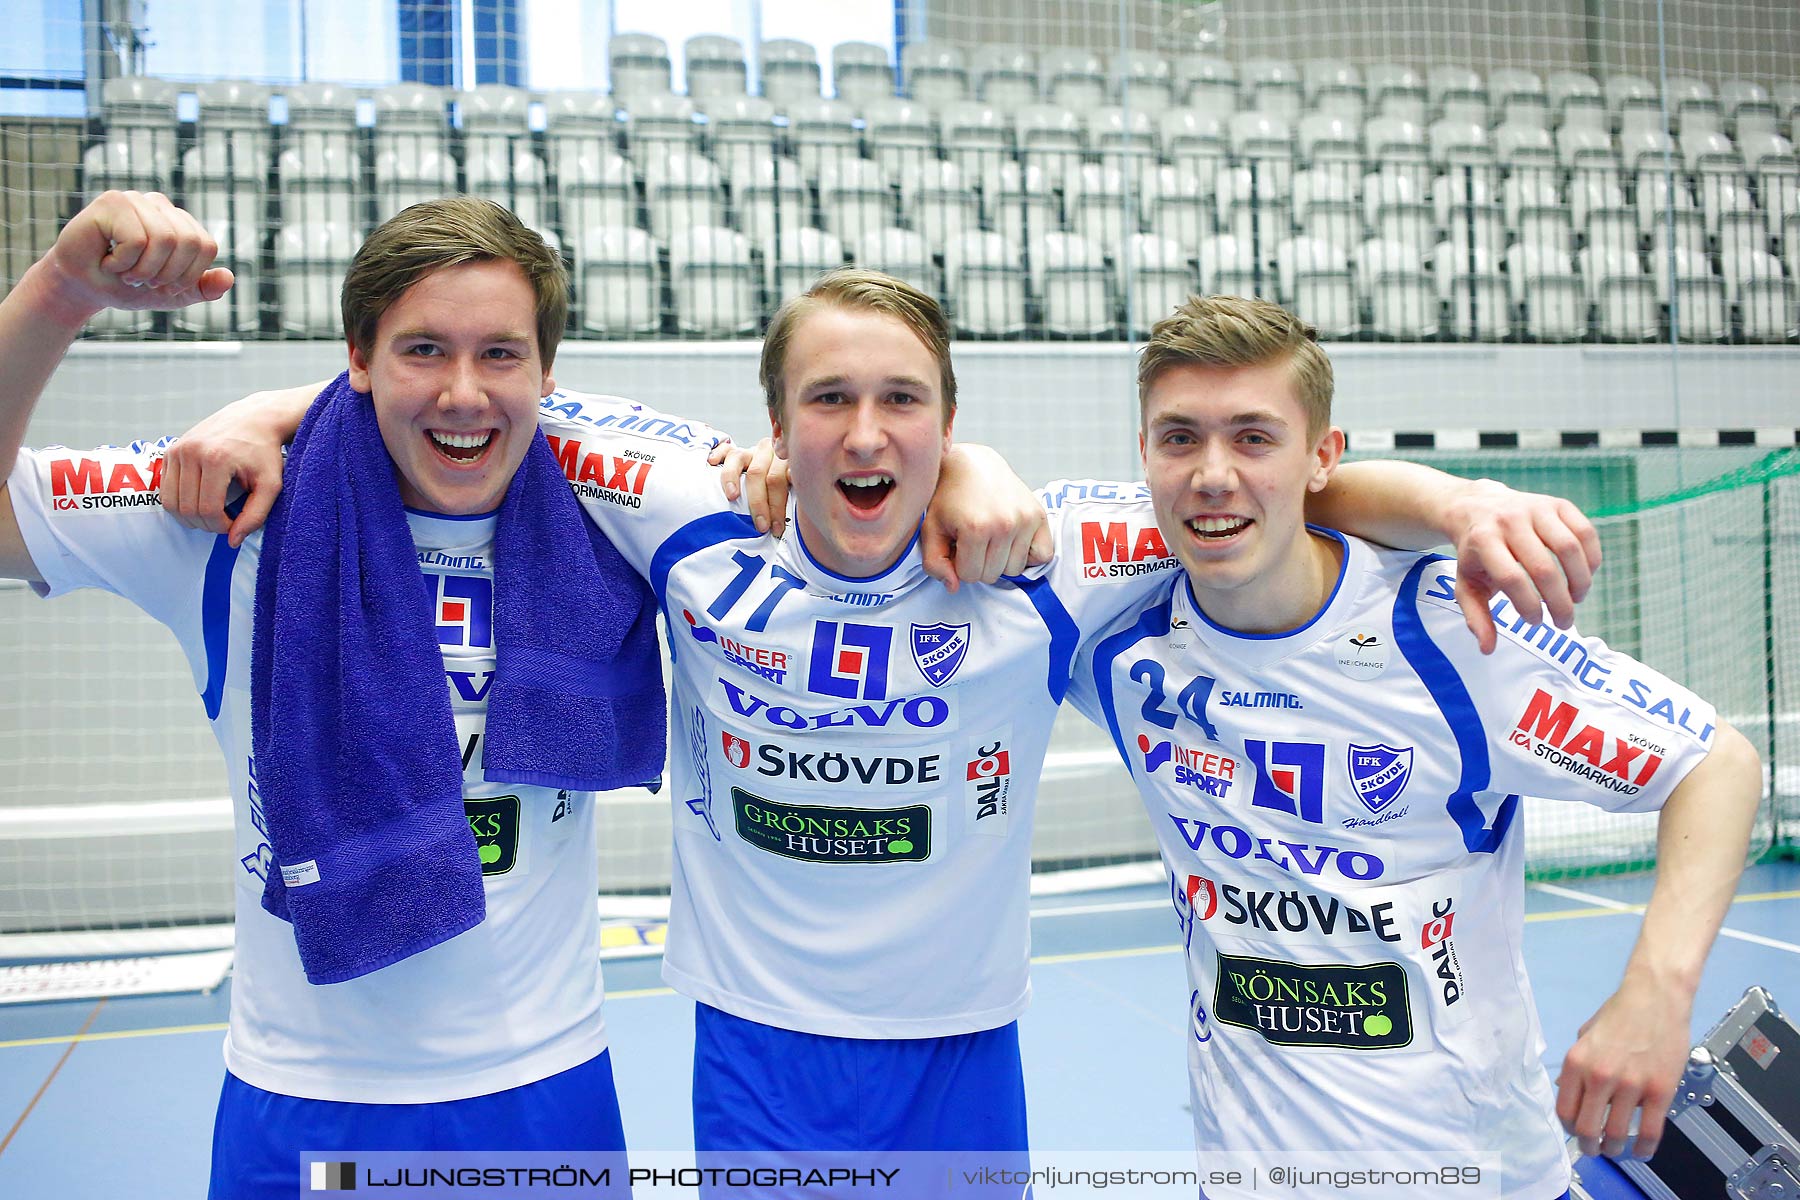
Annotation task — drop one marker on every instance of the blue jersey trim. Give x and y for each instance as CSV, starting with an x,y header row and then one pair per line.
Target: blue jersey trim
x,y
691,538
1065,638
875,578
215,615
438,516
1153,623
1452,698
1343,569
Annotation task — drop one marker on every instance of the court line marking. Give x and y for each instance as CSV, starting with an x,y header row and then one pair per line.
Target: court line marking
x,y
1079,910
1602,907
1050,960
112,1035
51,1077
1072,910
1618,906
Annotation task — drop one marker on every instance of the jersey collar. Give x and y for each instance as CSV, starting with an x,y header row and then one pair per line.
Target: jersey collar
x,y
906,571
1261,649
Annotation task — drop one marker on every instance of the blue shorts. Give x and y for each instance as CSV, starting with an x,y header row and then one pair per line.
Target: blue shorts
x,y
258,1136
757,1087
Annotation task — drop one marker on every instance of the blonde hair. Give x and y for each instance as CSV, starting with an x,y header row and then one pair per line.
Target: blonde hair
x,y
1237,331
858,289
446,233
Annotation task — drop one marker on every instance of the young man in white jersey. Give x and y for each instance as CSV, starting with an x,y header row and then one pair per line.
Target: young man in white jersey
x,y
1334,772
856,749
481,1034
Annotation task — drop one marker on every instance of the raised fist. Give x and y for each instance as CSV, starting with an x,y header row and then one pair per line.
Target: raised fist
x,y
134,250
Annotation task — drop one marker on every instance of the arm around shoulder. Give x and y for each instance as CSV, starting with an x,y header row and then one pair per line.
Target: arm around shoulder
x,y
984,521
241,443
1540,551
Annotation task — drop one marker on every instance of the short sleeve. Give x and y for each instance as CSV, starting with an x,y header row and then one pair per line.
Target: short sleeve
x,y
1109,552
94,519
1560,715
640,474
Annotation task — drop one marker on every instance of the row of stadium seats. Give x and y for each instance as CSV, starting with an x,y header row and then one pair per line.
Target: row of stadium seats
x,y
588,161
716,282
571,184
940,204
306,155
285,194
937,73
144,111
413,143
589,185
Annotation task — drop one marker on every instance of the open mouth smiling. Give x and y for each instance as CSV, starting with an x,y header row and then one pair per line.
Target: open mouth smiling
x,y
461,447
1218,528
866,492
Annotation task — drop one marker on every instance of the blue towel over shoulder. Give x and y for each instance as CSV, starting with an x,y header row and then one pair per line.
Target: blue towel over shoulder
x,y
357,762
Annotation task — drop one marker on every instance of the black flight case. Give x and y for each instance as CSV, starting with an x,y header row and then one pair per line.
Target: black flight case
x,y
1733,1131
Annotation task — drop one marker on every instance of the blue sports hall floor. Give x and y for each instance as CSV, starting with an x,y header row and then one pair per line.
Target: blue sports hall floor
x,y
114,1098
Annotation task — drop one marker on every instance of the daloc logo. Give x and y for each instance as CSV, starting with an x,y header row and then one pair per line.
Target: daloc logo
x,y
939,650
1434,936
1379,773
989,782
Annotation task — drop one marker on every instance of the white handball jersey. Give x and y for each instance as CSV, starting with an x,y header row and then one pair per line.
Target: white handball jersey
x,y
1338,809
511,1001
853,761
